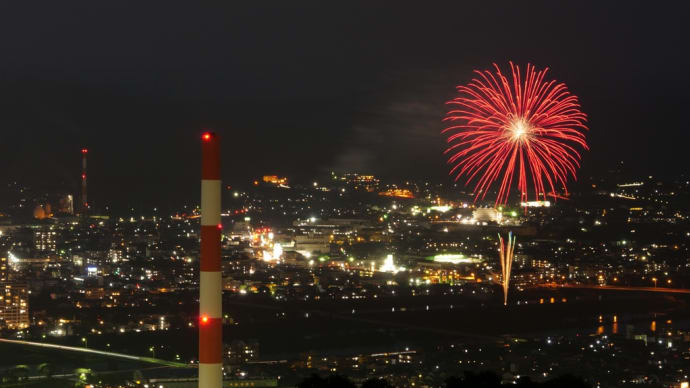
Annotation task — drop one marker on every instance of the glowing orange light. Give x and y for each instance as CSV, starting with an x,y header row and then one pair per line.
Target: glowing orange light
x,y
206,136
204,319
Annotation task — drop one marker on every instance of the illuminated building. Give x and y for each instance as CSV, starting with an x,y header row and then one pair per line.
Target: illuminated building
x,y
542,264
454,258
14,305
314,243
44,240
275,180
3,269
241,352
358,181
17,263
115,255
365,179
389,266
14,298
486,214
398,193
354,178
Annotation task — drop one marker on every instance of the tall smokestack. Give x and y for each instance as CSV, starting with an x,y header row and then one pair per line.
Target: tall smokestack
x,y
84,201
210,299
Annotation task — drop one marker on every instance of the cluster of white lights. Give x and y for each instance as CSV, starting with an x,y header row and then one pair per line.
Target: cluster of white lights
x,y
389,266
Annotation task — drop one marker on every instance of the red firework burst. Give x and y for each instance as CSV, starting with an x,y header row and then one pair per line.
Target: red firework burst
x,y
525,126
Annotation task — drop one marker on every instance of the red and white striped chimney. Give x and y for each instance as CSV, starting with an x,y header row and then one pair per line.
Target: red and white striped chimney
x,y
210,300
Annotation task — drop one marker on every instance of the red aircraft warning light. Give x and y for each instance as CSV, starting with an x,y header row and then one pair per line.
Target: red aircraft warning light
x,y
84,150
204,319
206,136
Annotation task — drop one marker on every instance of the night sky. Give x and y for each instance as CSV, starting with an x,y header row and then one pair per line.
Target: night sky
x,y
302,88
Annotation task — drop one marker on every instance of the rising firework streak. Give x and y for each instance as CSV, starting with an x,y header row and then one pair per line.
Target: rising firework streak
x,y
520,124
506,256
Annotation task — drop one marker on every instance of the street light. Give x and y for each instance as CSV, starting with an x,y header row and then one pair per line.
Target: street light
x,y
654,280
85,341
152,349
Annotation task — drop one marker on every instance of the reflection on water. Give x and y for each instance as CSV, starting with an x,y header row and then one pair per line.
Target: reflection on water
x,y
551,299
606,324
634,323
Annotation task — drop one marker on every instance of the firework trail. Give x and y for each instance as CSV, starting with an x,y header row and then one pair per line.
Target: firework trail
x,y
506,257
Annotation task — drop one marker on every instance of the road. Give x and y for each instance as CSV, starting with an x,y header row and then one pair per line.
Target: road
x,y
98,352
619,288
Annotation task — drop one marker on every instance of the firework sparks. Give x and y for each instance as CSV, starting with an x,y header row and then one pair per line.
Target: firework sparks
x,y
506,257
522,125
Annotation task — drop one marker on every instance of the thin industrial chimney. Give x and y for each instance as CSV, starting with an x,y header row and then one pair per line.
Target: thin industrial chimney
x,y
210,299
84,201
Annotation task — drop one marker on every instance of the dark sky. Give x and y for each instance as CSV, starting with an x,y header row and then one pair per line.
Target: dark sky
x,y
301,88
